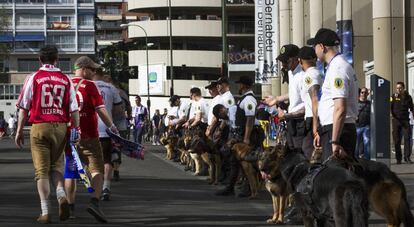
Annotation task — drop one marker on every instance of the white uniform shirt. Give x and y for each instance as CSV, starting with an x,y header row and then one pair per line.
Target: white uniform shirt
x,y
213,103
340,82
295,89
227,100
173,112
311,77
248,104
200,106
111,97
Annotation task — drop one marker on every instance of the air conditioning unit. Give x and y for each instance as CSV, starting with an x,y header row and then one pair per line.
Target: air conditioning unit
x,y
198,17
211,17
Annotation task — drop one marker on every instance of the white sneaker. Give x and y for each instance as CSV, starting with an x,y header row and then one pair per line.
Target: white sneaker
x,y
153,143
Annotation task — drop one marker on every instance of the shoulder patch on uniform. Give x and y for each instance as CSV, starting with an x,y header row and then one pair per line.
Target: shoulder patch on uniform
x,y
229,102
282,50
339,83
308,80
249,106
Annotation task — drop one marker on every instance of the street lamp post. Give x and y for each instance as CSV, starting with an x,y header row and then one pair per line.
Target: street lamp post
x,y
171,51
146,51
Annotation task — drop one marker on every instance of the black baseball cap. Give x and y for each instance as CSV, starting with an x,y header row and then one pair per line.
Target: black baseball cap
x,y
212,84
288,51
223,80
245,80
174,98
326,37
307,53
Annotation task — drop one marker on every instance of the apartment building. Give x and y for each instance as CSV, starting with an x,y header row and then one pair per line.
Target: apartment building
x,y
68,24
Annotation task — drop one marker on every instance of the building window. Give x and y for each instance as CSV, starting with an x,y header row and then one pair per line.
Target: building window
x,y
9,91
87,42
106,35
64,65
60,1
62,41
110,10
27,65
28,46
29,1
29,21
86,20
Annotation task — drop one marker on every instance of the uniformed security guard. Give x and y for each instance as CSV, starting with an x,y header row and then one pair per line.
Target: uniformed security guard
x,y
401,105
296,111
245,123
180,115
312,81
338,107
211,120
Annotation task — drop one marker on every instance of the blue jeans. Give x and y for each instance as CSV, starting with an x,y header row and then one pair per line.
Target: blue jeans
x,y
363,135
138,131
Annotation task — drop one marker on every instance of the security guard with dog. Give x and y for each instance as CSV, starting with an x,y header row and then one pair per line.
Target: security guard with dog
x,y
246,128
338,107
296,125
311,82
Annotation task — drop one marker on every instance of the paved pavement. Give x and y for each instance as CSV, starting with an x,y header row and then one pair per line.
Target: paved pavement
x,y
153,192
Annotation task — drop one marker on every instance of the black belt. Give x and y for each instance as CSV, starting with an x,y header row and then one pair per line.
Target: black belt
x,y
327,128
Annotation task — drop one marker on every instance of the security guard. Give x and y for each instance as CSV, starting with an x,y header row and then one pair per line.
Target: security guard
x,y
179,114
401,105
227,100
211,120
338,107
245,123
312,81
296,125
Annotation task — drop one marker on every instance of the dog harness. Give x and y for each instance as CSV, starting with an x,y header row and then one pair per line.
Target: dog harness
x,y
305,190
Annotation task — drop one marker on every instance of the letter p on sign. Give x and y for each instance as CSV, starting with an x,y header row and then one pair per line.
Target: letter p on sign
x,y
380,82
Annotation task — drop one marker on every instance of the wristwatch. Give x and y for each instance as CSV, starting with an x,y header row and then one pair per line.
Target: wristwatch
x,y
334,142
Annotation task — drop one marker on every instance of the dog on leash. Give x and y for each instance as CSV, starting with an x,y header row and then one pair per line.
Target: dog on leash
x,y
250,169
169,142
274,183
386,192
327,194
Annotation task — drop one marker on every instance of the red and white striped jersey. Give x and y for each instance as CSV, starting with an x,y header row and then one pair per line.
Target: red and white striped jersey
x,y
49,96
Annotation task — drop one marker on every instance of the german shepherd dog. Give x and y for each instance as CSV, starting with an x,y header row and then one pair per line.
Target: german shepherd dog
x,y
169,142
274,183
386,192
200,149
250,169
330,196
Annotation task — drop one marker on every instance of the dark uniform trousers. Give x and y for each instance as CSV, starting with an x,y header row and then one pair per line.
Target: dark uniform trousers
x,y
307,145
295,133
347,139
398,127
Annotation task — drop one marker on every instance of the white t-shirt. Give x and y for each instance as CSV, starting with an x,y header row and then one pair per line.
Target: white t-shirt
x,y
295,89
340,82
311,77
111,97
216,100
200,106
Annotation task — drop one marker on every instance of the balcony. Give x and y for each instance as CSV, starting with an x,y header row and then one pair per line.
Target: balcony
x,y
190,58
183,28
139,5
109,13
240,28
33,4
30,26
60,4
109,36
102,25
58,25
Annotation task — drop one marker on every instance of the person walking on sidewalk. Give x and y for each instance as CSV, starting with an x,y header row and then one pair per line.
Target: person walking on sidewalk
x,y
401,106
113,105
12,121
48,95
89,149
